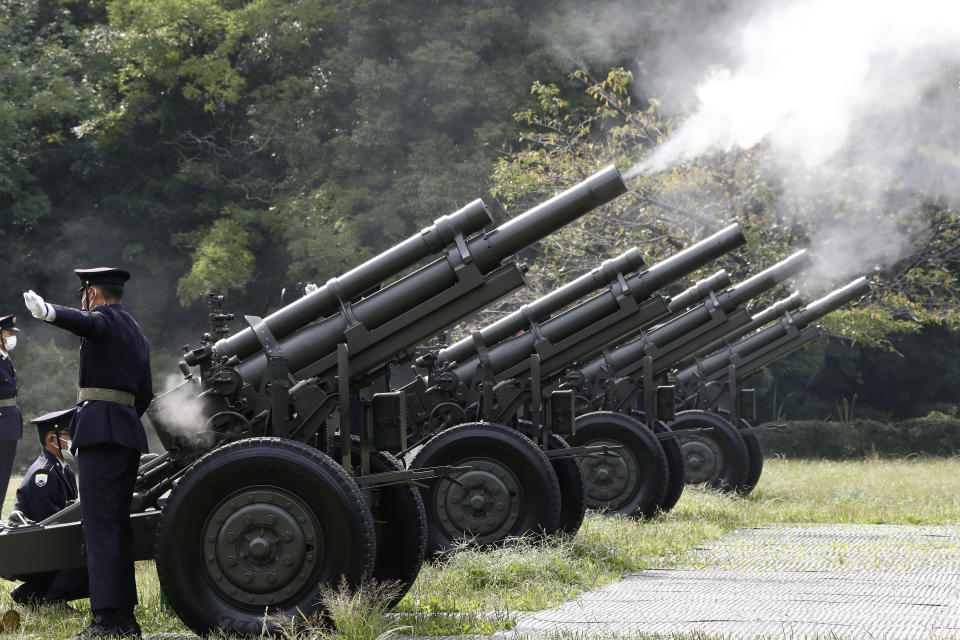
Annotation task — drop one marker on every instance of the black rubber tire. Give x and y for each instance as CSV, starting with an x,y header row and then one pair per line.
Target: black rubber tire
x,y
675,470
317,510
573,493
718,456
505,462
755,455
641,457
400,521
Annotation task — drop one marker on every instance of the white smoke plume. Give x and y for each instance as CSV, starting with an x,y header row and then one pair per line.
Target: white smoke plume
x,y
181,413
852,99
808,71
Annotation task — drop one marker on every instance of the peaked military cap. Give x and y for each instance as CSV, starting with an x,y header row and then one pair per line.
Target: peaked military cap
x,y
102,275
8,323
54,420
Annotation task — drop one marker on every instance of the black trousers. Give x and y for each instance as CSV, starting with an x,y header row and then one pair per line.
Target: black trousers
x,y
55,586
8,449
108,473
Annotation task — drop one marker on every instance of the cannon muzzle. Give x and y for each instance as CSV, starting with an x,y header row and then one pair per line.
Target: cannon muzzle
x,y
607,316
326,300
729,300
767,279
544,219
684,262
311,343
831,302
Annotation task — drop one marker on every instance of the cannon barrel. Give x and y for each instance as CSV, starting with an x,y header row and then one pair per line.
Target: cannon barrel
x,y
597,309
641,286
730,299
699,291
672,340
814,311
539,222
757,320
608,272
487,251
683,262
768,315
325,300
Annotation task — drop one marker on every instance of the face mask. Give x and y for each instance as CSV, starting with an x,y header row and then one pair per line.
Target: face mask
x,y
10,343
65,446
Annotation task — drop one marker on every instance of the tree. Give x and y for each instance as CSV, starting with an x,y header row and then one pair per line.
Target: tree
x,y
667,210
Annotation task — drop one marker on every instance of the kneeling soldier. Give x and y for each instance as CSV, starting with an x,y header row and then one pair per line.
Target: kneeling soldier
x,y
48,486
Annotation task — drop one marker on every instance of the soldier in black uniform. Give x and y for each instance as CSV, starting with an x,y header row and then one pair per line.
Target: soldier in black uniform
x,y
47,487
115,389
11,424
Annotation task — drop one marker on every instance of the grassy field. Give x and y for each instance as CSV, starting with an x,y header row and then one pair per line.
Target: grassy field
x,y
480,592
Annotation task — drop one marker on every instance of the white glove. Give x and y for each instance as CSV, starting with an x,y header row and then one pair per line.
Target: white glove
x,y
38,307
310,288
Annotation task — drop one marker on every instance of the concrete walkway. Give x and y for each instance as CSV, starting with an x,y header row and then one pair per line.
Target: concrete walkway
x,y
843,581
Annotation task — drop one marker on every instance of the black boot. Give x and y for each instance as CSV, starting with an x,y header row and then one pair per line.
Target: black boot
x,y
24,594
111,626
97,629
128,628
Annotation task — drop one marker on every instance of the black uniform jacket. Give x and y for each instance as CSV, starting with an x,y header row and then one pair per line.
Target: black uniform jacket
x,y
11,424
114,354
46,488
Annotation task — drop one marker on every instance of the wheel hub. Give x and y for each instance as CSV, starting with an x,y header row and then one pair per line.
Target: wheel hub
x,y
484,502
610,478
702,460
261,546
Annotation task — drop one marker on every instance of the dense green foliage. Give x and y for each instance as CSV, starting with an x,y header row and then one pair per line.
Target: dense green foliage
x,y
858,439
248,146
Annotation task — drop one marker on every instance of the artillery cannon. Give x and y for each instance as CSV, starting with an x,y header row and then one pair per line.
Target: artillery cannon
x,y
789,332
709,386
259,517
624,379
498,375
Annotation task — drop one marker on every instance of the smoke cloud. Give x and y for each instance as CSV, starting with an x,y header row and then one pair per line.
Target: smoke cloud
x,y
854,104
808,72
179,413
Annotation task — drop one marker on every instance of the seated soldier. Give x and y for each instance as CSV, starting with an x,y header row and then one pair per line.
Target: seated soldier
x,y
47,487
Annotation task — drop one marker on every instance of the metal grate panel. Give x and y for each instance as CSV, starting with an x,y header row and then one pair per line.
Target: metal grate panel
x,y
844,581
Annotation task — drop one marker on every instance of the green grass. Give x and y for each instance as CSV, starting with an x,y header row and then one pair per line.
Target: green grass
x,y
479,592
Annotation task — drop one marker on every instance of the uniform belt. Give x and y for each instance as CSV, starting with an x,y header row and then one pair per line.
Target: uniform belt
x,y
105,395
8,402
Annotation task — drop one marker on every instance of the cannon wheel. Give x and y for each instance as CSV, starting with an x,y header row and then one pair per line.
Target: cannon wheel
x,y
631,480
675,470
573,493
510,489
717,456
400,522
755,454
260,526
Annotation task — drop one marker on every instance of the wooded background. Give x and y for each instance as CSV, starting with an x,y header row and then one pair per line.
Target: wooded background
x,y
250,147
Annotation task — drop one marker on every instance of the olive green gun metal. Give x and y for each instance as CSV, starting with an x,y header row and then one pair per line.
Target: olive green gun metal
x,y
276,480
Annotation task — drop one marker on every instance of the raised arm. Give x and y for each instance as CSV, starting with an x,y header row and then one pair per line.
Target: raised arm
x,y
87,324
92,325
